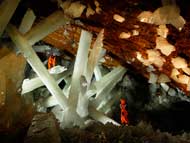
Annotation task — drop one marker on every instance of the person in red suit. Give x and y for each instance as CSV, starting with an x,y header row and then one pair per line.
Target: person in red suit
x,y
124,113
51,61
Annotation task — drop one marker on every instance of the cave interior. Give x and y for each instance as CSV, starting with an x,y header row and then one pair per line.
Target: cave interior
x,y
67,65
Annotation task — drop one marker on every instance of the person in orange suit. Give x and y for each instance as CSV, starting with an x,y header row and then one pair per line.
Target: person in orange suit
x,y
51,61
124,113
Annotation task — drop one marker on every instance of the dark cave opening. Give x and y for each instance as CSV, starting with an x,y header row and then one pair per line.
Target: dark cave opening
x,y
174,119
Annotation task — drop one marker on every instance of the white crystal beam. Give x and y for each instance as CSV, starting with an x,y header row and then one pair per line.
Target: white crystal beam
x,y
7,9
37,65
98,116
29,85
94,56
107,83
80,65
27,21
45,27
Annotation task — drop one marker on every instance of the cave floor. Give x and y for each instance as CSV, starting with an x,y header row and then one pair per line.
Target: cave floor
x,y
44,128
